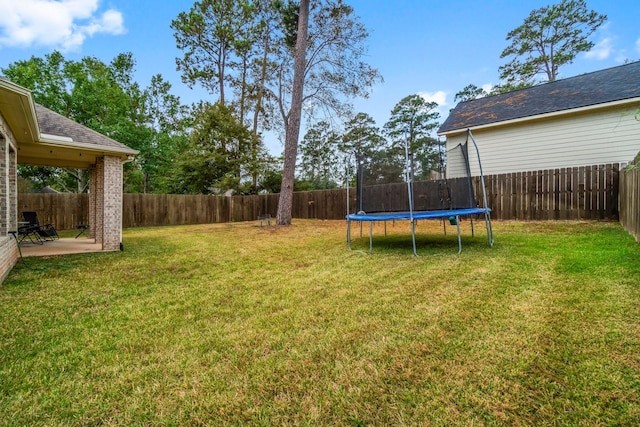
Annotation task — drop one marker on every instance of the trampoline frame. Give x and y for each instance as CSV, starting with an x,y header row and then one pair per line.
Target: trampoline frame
x,y
453,215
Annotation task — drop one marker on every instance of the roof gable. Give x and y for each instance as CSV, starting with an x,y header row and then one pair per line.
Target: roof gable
x,y
599,87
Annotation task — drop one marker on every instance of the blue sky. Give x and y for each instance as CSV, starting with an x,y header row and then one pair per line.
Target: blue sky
x,y
431,47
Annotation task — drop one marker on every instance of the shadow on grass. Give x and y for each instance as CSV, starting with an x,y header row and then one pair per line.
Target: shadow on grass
x,y
426,244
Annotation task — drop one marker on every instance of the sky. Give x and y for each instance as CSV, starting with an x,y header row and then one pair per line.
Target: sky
x,y
429,47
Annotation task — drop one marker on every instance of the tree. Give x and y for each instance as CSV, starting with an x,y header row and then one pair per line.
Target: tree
x,y
166,120
209,34
319,156
333,73
362,137
87,91
228,44
412,121
217,150
549,38
469,93
104,98
283,216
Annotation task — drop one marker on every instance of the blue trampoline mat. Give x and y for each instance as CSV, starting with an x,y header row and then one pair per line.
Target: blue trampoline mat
x,y
388,216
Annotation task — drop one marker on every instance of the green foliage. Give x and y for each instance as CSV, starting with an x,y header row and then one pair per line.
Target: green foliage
x,y
550,37
87,91
469,93
166,122
249,47
216,152
104,98
289,14
320,161
412,122
38,177
362,138
210,34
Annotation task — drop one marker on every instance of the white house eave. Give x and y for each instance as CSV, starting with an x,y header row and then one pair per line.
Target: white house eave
x,y
26,128
545,116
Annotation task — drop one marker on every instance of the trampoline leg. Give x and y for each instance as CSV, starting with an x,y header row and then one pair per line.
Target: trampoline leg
x,y
459,237
370,237
413,237
473,234
361,229
385,229
487,220
349,234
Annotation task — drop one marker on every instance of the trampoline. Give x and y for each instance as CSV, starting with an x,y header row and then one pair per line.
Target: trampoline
x,y
447,199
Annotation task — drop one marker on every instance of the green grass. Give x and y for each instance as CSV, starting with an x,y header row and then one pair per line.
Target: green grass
x,y
235,324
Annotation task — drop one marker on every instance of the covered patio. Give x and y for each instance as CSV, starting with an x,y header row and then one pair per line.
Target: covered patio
x,y
34,135
63,246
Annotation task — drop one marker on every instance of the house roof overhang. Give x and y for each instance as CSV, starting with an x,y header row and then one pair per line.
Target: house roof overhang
x,y
48,149
631,102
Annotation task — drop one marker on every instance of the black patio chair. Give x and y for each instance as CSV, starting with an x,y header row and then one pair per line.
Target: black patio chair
x,y
45,232
29,232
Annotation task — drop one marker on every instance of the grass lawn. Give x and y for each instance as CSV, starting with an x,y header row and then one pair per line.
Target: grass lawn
x,y
233,324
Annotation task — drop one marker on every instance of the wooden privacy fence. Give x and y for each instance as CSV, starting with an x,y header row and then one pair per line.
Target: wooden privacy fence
x,y
571,193
64,210
144,210
630,198
586,192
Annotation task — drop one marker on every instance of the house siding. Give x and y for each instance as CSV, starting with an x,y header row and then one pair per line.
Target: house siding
x,y
579,139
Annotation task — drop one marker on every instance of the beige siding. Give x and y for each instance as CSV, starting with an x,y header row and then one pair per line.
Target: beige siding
x,y
589,138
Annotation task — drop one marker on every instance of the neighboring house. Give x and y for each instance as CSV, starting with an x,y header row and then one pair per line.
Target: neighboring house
x,y
579,121
46,190
33,135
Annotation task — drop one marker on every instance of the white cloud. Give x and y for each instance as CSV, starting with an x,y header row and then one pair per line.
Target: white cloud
x,y
487,87
439,97
602,49
63,24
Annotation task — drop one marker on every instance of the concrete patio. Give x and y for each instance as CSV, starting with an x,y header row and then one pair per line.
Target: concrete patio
x,y
63,246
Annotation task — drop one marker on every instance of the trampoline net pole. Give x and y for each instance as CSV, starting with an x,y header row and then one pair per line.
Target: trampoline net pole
x,y
487,215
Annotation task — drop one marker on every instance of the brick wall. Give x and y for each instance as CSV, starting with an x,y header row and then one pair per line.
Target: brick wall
x,y
8,200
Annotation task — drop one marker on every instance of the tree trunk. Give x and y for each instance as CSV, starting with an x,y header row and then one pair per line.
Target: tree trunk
x,y
80,177
293,127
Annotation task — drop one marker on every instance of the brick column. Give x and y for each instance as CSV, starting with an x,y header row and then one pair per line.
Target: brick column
x,y
107,189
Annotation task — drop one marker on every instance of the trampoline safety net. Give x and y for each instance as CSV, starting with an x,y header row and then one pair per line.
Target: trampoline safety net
x,y
383,187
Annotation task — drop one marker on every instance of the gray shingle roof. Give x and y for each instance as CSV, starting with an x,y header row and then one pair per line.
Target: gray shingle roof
x,y
599,87
52,123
